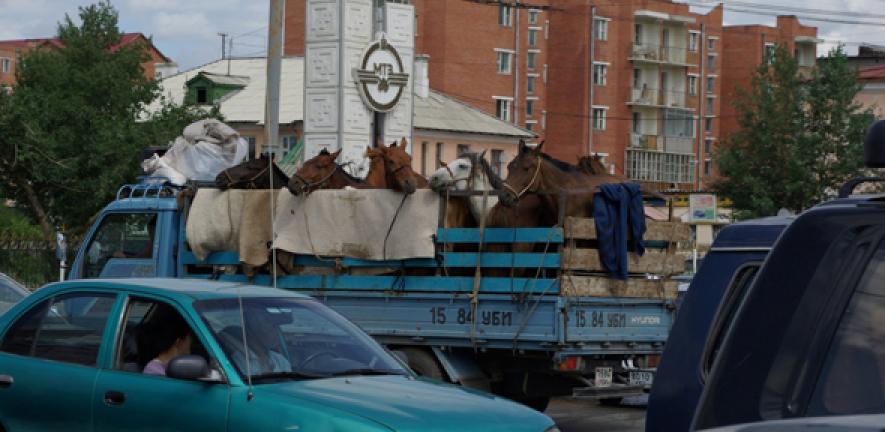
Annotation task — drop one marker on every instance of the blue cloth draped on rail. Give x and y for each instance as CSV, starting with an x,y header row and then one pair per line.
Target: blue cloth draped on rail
x,y
620,218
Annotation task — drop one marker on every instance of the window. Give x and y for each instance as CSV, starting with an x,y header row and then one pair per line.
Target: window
x,y
289,143
69,329
711,81
202,95
708,124
530,59
637,77
530,84
636,120
710,103
637,36
505,16
768,54
598,118
599,74
121,237
533,37
424,145
439,155
708,146
678,123
529,126
533,16
529,107
851,380
502,109
707,166
503,62
600,29
150,328
711,44
711,62
463,149
5,65
498,161
692,85
693,42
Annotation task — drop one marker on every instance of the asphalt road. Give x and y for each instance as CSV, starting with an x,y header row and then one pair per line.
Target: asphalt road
x,y
573,415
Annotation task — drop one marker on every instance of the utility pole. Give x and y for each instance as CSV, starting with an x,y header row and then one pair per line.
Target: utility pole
x,y
274,65
223,43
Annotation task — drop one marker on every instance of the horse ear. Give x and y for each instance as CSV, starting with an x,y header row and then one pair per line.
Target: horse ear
x,y
522,146
324,151
538,147
483,154
403,143
335,155
393,144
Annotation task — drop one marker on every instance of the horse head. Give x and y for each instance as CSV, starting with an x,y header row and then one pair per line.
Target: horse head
x,y
314,173
592,165
252,174
398,168
452,175
523,173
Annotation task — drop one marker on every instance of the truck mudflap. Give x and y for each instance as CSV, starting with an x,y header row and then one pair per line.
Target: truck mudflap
x,y
608,382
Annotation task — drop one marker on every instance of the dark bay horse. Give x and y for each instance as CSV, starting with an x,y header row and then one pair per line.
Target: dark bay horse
x,y
322,172
593,165
533,171
253,174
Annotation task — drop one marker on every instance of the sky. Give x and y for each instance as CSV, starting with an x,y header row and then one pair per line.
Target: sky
x,y
187,30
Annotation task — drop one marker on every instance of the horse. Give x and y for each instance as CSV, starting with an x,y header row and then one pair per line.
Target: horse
x,y
471,172
533,171
399,175
593,165
322,172
252,174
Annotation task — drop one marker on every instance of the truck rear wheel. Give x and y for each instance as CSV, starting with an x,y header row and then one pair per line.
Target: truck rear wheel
x,y
424,363
537,403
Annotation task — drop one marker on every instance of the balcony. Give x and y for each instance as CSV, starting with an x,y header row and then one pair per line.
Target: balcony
x,y
659,167
647,96
667,144
660,54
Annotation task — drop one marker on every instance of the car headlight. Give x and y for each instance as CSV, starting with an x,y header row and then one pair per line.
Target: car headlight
x,y
552,429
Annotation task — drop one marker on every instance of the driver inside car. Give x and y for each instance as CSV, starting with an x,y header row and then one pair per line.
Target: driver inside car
x,y
266,351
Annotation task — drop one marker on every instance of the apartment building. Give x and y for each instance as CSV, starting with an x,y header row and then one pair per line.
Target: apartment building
x,y
748,46
157,66
640,83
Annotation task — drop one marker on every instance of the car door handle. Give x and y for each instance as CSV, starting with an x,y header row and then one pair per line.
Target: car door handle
x,y
112,397
6,381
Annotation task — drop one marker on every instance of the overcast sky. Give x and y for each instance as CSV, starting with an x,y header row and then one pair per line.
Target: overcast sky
x,y
187,30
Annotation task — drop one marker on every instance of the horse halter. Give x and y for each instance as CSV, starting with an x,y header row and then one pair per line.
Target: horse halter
x,y
527,186
308,185
454,179
248,182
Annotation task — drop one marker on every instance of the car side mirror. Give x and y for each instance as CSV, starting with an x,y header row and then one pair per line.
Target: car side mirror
x,y
874,146
189,367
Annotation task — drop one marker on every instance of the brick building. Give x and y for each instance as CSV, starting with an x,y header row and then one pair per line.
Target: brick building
x,y
10,50
638,82
748,46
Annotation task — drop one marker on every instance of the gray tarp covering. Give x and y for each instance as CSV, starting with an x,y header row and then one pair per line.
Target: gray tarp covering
x,y
353,223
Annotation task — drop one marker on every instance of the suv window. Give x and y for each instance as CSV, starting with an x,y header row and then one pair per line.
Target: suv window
x,y
734,296
120,236
149,331
67,329
852,380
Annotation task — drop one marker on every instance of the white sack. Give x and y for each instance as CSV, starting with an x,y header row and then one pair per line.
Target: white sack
x,y
155,166
206,148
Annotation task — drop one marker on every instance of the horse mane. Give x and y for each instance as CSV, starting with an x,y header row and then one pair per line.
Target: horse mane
x,y
494,179
561,165
348,175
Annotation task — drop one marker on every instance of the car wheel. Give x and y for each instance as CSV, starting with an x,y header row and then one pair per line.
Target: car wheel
x,y
536,403
424,363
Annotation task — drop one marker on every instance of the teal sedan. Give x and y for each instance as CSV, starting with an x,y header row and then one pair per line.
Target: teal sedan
x,y
178,355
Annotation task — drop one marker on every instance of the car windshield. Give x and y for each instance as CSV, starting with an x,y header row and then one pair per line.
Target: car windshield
x,y
273,339
10,293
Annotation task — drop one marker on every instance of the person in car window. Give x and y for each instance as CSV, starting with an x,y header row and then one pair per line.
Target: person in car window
x,y
169,338
266,353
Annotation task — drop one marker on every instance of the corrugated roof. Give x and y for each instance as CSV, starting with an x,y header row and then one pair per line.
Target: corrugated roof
x,y
436,112
231,80
247,105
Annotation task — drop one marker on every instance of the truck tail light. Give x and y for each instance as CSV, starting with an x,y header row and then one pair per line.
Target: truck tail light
x,y
652,361
571,364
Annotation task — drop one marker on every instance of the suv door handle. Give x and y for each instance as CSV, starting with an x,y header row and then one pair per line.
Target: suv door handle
x,y
112,397
5,381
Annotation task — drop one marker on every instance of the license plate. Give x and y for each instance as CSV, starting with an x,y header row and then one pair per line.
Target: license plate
x,y
603,377
641,378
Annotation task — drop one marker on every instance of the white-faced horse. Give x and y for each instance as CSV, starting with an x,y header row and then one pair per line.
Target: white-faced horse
x,y
471,172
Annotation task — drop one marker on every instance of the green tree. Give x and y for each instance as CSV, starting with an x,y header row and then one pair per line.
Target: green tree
x,y
73,127
799,138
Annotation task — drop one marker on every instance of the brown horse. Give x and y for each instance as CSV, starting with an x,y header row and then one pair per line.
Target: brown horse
x,y
399,175
321,172
533,171
593,165
253,174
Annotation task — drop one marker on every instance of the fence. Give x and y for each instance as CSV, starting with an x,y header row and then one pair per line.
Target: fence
x,y
31,262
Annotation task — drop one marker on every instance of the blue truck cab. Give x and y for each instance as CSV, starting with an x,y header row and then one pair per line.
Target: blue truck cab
x,y
704,315
521,337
